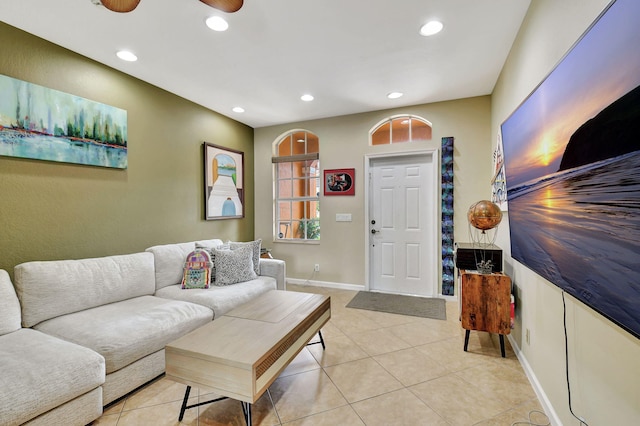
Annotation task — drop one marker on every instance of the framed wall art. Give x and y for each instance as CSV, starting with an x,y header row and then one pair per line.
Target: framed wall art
x,y
340,182
45,124
223,182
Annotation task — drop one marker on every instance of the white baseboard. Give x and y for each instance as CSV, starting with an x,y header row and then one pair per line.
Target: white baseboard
x,y
535,384
312,283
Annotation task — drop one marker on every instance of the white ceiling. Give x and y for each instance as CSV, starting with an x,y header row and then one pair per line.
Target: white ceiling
x,y
349,54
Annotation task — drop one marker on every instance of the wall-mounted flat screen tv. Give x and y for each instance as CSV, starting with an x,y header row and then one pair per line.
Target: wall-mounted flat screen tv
x,y
572,164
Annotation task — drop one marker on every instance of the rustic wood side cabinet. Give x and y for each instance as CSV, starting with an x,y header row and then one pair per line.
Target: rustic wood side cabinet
x,y
485,304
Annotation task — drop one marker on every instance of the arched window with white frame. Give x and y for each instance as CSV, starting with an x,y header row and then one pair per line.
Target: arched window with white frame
x,y
399,129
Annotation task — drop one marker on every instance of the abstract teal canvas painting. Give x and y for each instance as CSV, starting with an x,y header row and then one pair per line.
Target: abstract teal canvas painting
x,y
46,124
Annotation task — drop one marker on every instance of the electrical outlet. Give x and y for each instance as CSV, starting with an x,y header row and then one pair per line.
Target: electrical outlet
x,y
316,267
527,337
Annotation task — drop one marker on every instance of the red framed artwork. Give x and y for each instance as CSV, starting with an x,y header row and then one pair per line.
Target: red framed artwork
x,y
340,182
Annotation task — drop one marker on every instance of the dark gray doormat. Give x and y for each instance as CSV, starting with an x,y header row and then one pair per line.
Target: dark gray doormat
x,y
427,307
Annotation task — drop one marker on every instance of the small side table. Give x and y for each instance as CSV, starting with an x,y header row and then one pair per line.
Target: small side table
x,y
265,253
485,304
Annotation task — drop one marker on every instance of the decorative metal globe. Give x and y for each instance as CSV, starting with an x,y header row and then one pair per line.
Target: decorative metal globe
x,y
484,215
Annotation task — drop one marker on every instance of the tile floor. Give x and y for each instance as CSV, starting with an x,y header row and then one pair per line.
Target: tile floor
x,y
377,369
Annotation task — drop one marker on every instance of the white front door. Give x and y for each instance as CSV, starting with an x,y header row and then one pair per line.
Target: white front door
x,y
403,225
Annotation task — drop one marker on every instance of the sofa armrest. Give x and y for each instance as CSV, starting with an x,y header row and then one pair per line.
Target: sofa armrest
x,y
275,268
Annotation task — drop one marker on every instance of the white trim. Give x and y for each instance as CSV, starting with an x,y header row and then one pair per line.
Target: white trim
x,y
535,384
368,158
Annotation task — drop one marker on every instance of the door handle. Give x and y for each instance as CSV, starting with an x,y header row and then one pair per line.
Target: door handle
x,y
373,231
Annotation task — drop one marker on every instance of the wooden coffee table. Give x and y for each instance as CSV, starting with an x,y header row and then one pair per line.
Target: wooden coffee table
x,y
241,353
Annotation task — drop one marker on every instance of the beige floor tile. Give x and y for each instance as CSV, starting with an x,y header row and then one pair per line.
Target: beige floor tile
x,y
159,415
458,402
304,361
525,414
329,331
411,366
385,319
115,408
343,416
501,383
453,311
107,420
338,350
158,392
365,378
423,331
376,342
481,342
229,412
304,394
451,352
352,321
400,407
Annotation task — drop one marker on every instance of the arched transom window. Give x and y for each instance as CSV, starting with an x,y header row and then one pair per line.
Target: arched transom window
x,y
400,128
297,186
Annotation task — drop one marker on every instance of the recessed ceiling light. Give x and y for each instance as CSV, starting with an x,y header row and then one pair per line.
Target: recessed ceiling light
x,y
238,109
395,95
217,23
125,55
431,28
306,98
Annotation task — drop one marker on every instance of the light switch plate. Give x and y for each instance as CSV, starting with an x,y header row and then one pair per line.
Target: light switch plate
x,y
343,217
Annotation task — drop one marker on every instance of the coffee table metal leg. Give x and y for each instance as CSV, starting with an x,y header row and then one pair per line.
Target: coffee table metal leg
x,y
321,342
246,408
184,403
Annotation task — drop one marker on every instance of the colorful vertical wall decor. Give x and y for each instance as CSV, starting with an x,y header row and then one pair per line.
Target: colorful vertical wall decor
x,y
448,267
46,124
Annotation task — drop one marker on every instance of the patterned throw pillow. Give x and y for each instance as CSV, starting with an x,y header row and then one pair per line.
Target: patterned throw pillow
x,y
209,248
234,266
197,270
255,246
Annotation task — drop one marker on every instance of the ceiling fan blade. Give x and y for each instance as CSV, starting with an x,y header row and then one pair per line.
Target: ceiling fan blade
x,y
224,5
120,5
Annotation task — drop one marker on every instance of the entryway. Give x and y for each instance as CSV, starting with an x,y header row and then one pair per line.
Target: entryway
x,y
402,223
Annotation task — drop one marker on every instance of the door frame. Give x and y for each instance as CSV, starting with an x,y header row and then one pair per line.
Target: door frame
x,y
435,210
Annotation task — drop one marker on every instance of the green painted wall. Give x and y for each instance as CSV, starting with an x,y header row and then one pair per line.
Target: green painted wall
x,y
64,211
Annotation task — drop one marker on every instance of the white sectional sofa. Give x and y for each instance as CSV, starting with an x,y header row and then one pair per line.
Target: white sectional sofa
x,y
83,333
169,261
44,380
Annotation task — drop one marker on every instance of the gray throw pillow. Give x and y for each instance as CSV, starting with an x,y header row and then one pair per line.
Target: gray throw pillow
x,y
255,246
233,266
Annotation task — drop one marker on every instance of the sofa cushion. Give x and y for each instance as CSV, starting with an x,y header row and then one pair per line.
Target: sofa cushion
x,y
53,288
39,372
126,331
169,260
82,410
221,299
255,247
9,305
233,266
